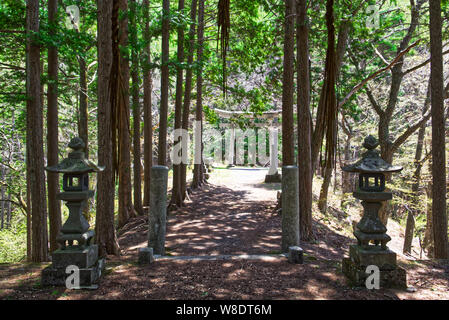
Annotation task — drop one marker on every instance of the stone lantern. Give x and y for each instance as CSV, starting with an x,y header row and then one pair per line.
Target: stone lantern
x,y
75,247
371,248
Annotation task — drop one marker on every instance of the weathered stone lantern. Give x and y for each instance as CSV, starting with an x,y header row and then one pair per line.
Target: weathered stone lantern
x,y
82,254
371,248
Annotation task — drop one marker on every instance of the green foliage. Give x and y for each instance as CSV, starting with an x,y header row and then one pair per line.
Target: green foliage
x,y
13,243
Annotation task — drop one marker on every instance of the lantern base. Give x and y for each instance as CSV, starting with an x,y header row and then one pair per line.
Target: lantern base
x,y
355,267
88,277
384,259
72,262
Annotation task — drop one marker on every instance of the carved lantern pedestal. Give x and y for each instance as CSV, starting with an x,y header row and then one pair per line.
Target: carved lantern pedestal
x,y
76,254
371,248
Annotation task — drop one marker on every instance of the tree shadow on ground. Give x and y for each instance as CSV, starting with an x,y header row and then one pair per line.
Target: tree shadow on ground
x,y
223,221
267,186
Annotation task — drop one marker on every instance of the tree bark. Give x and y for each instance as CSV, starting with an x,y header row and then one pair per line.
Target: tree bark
x,y
329,112
83,116
54,206
35,152
2,199
176,198
415,210
188,91
28,199
304,119
8,212
162,150
428,242
147,112
439,190
197,170
288,138
136,111
347,184
104,226
122,112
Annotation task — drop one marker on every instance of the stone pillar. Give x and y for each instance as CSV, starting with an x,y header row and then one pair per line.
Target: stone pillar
x,y
273,174
290,208
158,209
274,160
231,147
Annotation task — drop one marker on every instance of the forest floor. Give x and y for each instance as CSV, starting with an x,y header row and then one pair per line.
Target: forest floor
x,y
235,215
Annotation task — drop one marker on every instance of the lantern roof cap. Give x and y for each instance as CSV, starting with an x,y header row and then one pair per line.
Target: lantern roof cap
x,y
371,161
75,163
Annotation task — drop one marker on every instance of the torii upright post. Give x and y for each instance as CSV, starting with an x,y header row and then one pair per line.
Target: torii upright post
x,y
231,147
273,174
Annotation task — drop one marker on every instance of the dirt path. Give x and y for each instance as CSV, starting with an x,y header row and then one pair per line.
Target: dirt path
x,y
234,214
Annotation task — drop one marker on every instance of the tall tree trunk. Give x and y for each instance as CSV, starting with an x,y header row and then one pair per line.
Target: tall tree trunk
x,y
83,124
54,206
188,92
288,137
388,147
8,212
147,112
415,209
27,159
324,191
104,226
347,184
136,111
176,198
28,212
197,170
35,152
2,199
162,150
329,112
439,190
83,112
304,123
122,113
428,242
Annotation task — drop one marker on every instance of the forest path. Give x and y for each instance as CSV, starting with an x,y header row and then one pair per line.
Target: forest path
x,y
234,214
249,180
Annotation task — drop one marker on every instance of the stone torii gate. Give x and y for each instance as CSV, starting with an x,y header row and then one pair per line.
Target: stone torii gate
x,y
273,122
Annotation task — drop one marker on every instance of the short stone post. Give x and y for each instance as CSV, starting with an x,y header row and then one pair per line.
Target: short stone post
x,y
158,209
290,208
145,256
295,255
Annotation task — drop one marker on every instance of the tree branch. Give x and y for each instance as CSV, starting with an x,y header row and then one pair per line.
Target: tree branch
x,y
373,101
375,74
421,65
12,31
403,137
12,66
